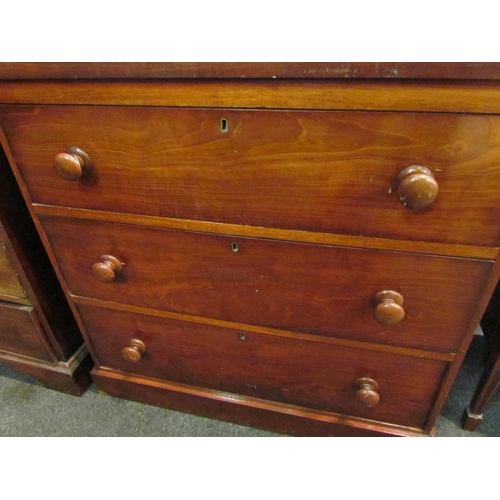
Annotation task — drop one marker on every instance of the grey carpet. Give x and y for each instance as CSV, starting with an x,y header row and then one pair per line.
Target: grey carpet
x,y
29,409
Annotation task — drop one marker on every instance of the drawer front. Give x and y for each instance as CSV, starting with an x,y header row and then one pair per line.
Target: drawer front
x,y
10,286
284,369
20,332
316,171
293,286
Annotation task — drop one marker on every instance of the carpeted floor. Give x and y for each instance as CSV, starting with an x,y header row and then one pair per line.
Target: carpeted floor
x,y
29,409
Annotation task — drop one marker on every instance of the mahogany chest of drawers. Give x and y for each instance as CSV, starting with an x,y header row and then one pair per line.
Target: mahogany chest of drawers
x,y
310,256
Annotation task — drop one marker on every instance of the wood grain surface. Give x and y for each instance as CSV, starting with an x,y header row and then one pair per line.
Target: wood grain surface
x,y
302,287
253,412
275,220
71,376
411,95
221,70
423,247
10,285
22,332
329,172
302,373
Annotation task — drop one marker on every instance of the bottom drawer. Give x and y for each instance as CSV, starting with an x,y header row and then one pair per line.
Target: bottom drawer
x,y
20,332
291,369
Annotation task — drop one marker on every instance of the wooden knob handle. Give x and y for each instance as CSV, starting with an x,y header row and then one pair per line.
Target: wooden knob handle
x,y
134,351
367,391
417,188
388,307
107,268
73,164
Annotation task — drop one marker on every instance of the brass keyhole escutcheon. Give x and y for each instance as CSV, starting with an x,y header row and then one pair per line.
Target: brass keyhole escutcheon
x,y
224,125
235,247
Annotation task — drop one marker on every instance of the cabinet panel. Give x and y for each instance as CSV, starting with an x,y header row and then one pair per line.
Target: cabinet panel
x,y
20,332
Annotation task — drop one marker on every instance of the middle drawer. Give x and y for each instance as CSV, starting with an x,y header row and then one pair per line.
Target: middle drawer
x,y
300,287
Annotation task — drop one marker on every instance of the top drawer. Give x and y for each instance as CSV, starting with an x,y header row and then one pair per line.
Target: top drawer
x,y
315,171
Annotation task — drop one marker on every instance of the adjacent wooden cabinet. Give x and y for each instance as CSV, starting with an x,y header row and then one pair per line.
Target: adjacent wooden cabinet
x,y
306,254
489,382
38,333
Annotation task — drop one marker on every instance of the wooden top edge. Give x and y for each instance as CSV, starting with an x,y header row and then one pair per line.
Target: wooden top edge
x,y
423,247
250,70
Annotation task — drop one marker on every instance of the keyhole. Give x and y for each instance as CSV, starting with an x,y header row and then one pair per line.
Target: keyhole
x,y
223,125
234,247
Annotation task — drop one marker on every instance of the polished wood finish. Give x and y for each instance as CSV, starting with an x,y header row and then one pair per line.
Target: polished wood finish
x,y
405,351
257,220
367,391
134,351
340,184
417,187
429,248
281,418
266,70
38,333
286,370
232,181
310,288
468,97
388,308
73,164
10,286
21,332
70,376
107,269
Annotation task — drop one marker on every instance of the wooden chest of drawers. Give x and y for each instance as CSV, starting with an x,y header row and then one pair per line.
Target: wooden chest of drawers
x,y
306,256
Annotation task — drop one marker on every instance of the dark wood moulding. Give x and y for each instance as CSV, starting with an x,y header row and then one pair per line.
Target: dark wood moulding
x,y
248,70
